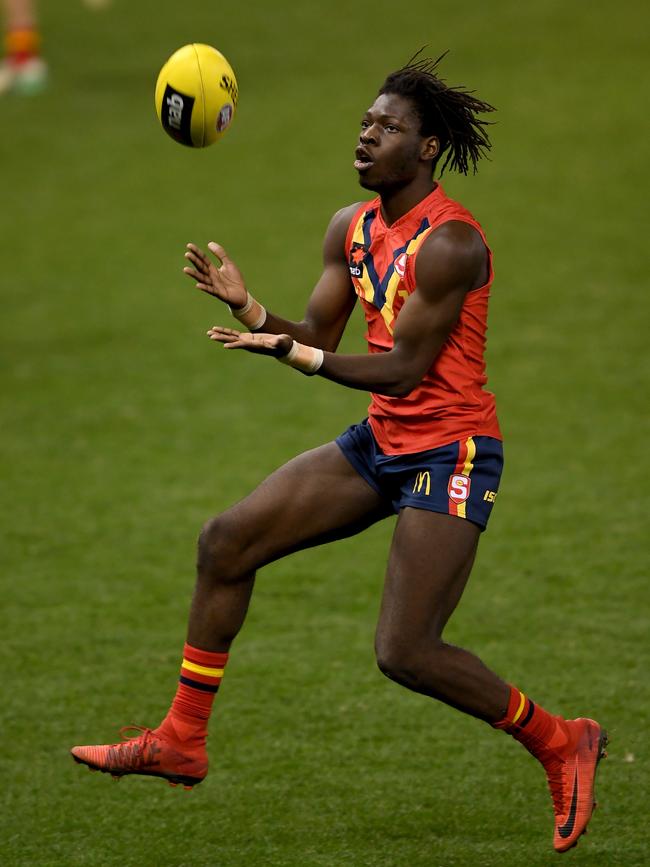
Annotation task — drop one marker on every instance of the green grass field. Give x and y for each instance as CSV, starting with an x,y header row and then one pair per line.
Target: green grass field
x,y
123,429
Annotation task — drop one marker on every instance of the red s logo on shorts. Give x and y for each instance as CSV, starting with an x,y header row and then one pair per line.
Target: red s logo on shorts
x,y
458,488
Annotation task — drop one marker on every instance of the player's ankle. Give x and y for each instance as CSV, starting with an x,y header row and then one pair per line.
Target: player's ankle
x,y
546,736
183,730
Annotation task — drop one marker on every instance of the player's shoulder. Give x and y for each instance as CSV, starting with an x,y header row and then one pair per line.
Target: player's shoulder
x,y
454,239
344,215
455,247
340,222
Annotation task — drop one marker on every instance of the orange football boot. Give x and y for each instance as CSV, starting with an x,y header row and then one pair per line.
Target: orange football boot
x,y
149,754
571,775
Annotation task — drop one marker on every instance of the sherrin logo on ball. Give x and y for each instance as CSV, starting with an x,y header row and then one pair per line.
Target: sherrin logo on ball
x,y
196,95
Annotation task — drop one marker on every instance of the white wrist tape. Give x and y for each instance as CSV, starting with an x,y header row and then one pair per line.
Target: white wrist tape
x,y
308,359
252,314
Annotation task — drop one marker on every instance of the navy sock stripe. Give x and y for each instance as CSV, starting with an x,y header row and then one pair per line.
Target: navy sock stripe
x,y
195,684
529,714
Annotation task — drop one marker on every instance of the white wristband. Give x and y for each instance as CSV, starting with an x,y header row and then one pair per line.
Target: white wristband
x,y
252,314
307,359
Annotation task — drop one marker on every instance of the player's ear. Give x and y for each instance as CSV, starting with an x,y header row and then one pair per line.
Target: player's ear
x,y
430,147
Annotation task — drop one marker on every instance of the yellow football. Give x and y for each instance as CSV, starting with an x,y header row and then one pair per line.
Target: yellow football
x,y
196,95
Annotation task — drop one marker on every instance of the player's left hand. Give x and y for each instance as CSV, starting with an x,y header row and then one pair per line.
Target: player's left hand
x,y
277,345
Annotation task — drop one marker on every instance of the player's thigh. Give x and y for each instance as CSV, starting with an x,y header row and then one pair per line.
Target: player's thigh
x,y
430,560
315,498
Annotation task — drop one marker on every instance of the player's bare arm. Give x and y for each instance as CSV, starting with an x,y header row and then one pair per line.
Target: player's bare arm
x,y
329,306
452,261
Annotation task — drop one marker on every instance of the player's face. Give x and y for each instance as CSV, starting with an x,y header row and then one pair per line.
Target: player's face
x,y
391,150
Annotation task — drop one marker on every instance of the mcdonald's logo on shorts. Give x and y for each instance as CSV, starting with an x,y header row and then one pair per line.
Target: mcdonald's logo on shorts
x,y
422,480
458,488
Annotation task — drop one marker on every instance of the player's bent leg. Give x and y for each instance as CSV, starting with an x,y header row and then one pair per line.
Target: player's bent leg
x,y
430,562
315,498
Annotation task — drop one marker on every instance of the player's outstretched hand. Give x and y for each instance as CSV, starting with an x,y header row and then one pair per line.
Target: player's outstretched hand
x,y
224,282
277,345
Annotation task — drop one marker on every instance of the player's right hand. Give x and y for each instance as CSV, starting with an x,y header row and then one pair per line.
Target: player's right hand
x,y
224,282
277,345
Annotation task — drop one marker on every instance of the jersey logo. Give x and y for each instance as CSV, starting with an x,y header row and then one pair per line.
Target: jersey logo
x,y
380,280
422,480
400,264
458,488
357,255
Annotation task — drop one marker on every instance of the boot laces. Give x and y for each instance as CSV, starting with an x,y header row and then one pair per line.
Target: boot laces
x,y
136,750
556,775
134,728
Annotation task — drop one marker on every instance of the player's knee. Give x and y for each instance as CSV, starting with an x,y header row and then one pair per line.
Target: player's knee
x,y
220,550
408,662
395,659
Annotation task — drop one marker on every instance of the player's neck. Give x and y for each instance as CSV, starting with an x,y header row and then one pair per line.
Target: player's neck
x,y
397,202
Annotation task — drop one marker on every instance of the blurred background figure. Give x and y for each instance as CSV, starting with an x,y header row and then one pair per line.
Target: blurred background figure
x,y
22,70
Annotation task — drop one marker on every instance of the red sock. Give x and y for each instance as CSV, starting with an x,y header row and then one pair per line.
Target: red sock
x,y
22,44
543,734
201,673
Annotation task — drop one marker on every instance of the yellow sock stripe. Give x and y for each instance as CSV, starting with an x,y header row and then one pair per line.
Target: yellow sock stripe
x,y
202,669
467,469
522,702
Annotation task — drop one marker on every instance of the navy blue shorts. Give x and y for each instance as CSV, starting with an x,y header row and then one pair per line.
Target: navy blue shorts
x,y
461,478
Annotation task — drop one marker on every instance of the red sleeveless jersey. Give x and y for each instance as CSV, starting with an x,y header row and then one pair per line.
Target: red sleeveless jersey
x,y
451,402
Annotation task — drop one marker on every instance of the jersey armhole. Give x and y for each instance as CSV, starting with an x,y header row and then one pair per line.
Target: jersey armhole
x,y
410,265
352,226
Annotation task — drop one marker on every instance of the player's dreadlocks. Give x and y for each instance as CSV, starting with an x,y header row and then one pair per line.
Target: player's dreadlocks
x,y
447,112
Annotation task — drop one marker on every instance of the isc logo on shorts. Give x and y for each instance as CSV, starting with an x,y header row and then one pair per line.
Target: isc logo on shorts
x,y
458,488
